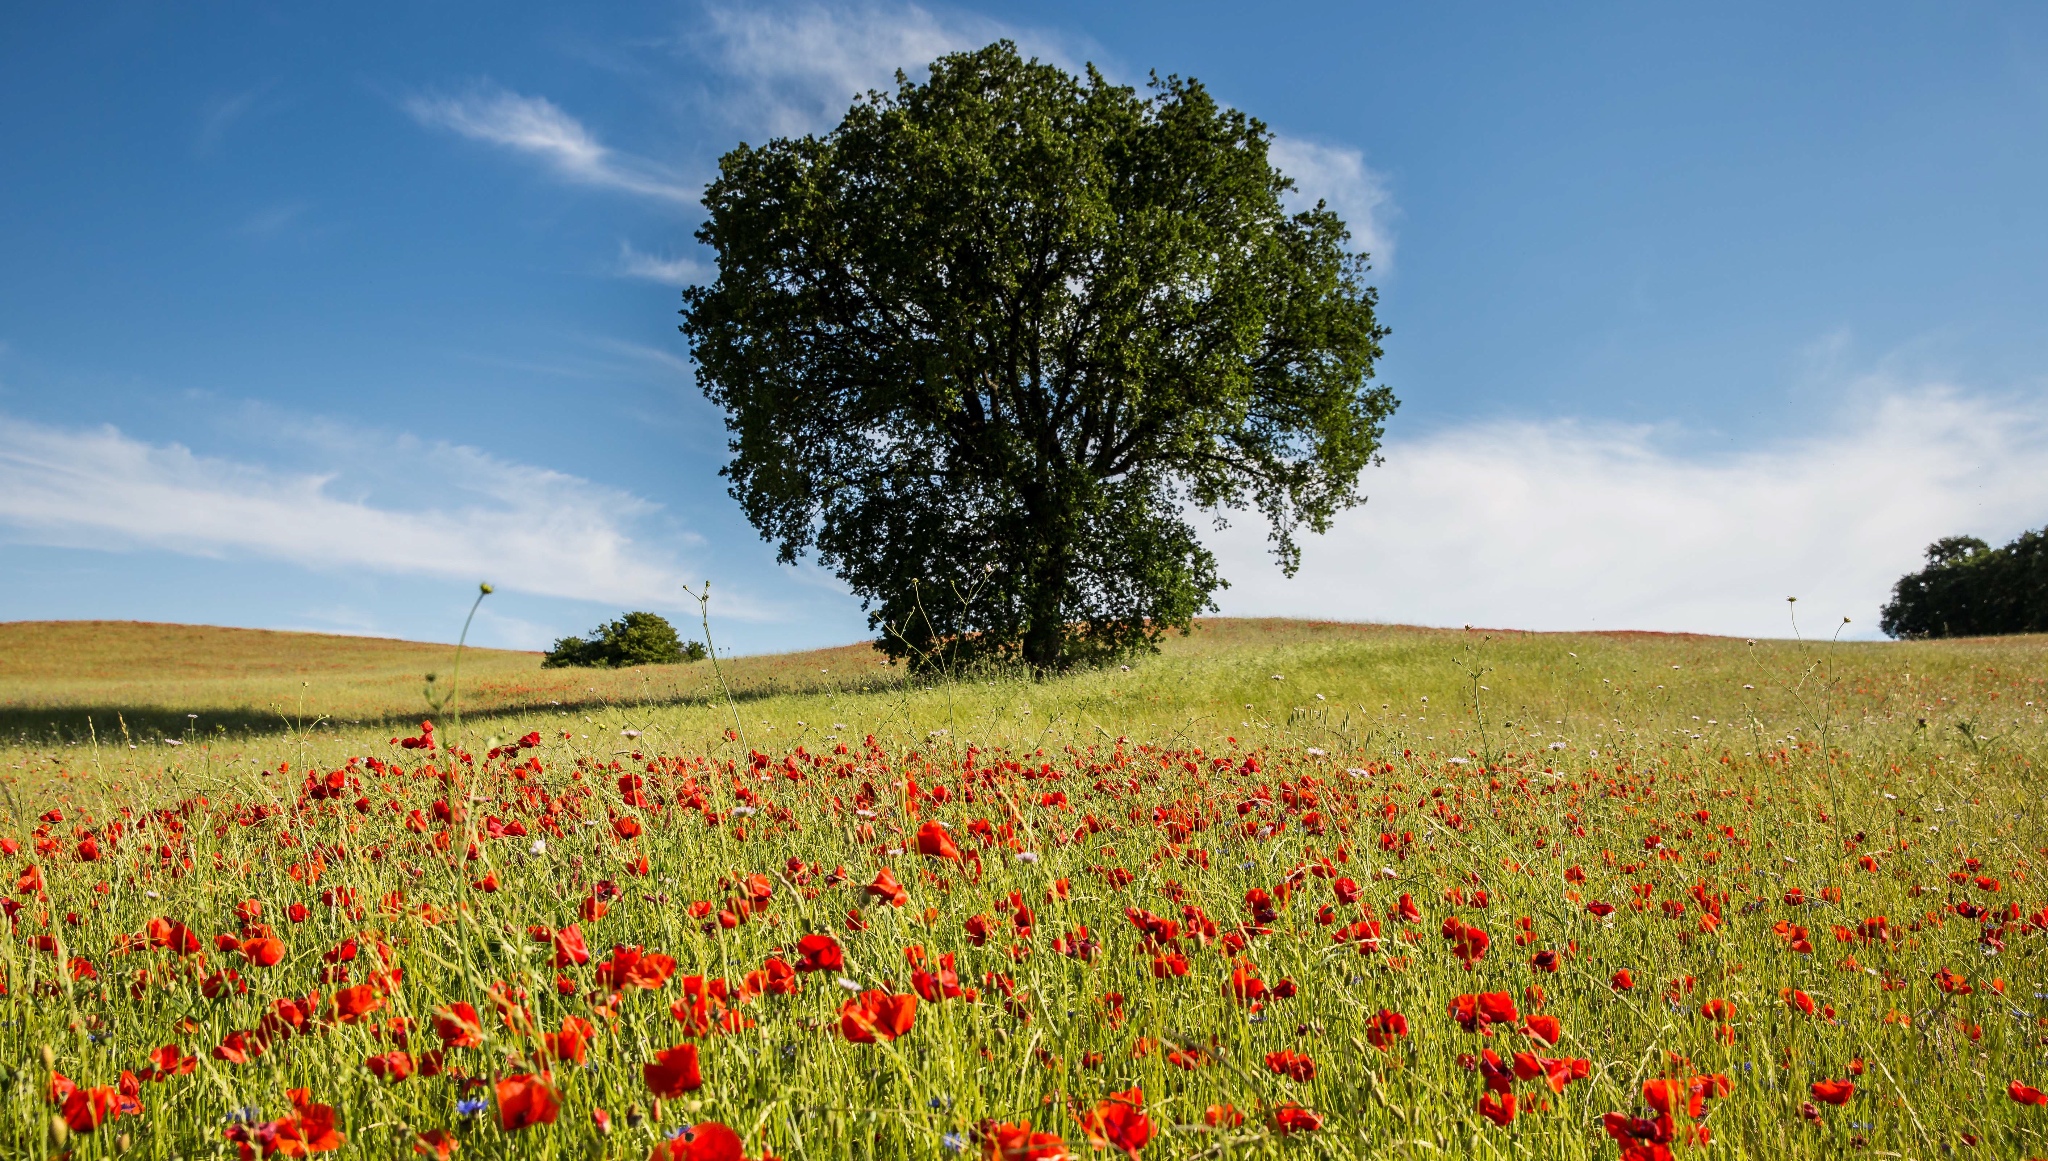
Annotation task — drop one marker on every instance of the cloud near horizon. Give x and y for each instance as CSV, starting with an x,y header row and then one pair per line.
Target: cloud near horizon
x,y
523,528
1565,525
1521,525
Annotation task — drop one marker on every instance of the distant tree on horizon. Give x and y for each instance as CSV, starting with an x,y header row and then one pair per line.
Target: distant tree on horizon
x,y
1970,589
634,639
988,344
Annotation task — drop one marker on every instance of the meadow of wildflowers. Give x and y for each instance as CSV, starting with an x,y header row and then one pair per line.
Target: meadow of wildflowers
x,y
1292,890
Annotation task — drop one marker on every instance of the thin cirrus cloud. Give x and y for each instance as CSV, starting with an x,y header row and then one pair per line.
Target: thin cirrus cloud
x,y
1570,526
537,128
795,68
680,270
524,528
791,69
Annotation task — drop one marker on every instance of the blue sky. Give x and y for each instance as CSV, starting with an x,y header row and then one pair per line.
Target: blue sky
x,y
311,317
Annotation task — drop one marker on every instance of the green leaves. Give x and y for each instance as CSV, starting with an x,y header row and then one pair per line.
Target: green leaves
x,y
1971,589
634,639
983,346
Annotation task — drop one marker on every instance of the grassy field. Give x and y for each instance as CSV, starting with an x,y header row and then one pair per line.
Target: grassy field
x,y
67,679
1284,889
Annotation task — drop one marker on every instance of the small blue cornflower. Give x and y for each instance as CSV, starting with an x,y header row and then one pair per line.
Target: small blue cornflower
x,y
953,1142
471,1106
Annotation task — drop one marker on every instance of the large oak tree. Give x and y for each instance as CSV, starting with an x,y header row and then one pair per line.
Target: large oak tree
x,y
990,343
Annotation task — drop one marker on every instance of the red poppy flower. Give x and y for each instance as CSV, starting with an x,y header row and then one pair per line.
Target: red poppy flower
x,y
1006,1142
439,1144
1544,1028
819,953
351,1004
1832,1092
264,952
934,843
572,1043
877,1014
1384,1030
1290,1063
943,984
310,1128
237,1047
175,936
390,1066
1474,1013
458,1027
709,1141
1498,1108
775,978
1623,980
169,1061
628,969
1119,1123
886,887
674,1072
2026,1094
569,947
1292,1118
1222,1116
1245,986
1469,944
524,1099
86,1109
1599,910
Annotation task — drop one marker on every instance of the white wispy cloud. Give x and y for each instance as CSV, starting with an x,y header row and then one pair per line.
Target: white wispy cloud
x,y
1572,526
221,114
272,220
523,528
681,270
1339,176
538,128
795,68
790,69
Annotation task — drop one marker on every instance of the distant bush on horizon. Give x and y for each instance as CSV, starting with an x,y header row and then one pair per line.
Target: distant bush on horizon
x,y
1970,589
634,639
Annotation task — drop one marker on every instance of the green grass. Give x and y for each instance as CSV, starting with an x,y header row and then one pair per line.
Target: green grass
x,y
1814,756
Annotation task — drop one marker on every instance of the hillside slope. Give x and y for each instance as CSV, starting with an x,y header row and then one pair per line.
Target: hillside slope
x,y
150,676
73,680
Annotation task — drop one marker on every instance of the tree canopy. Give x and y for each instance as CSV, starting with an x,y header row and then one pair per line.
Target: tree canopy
x,y
634,639
988,345
1970,589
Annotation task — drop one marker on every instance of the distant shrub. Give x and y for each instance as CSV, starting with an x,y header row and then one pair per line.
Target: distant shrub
x,y
1970,589
634,639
